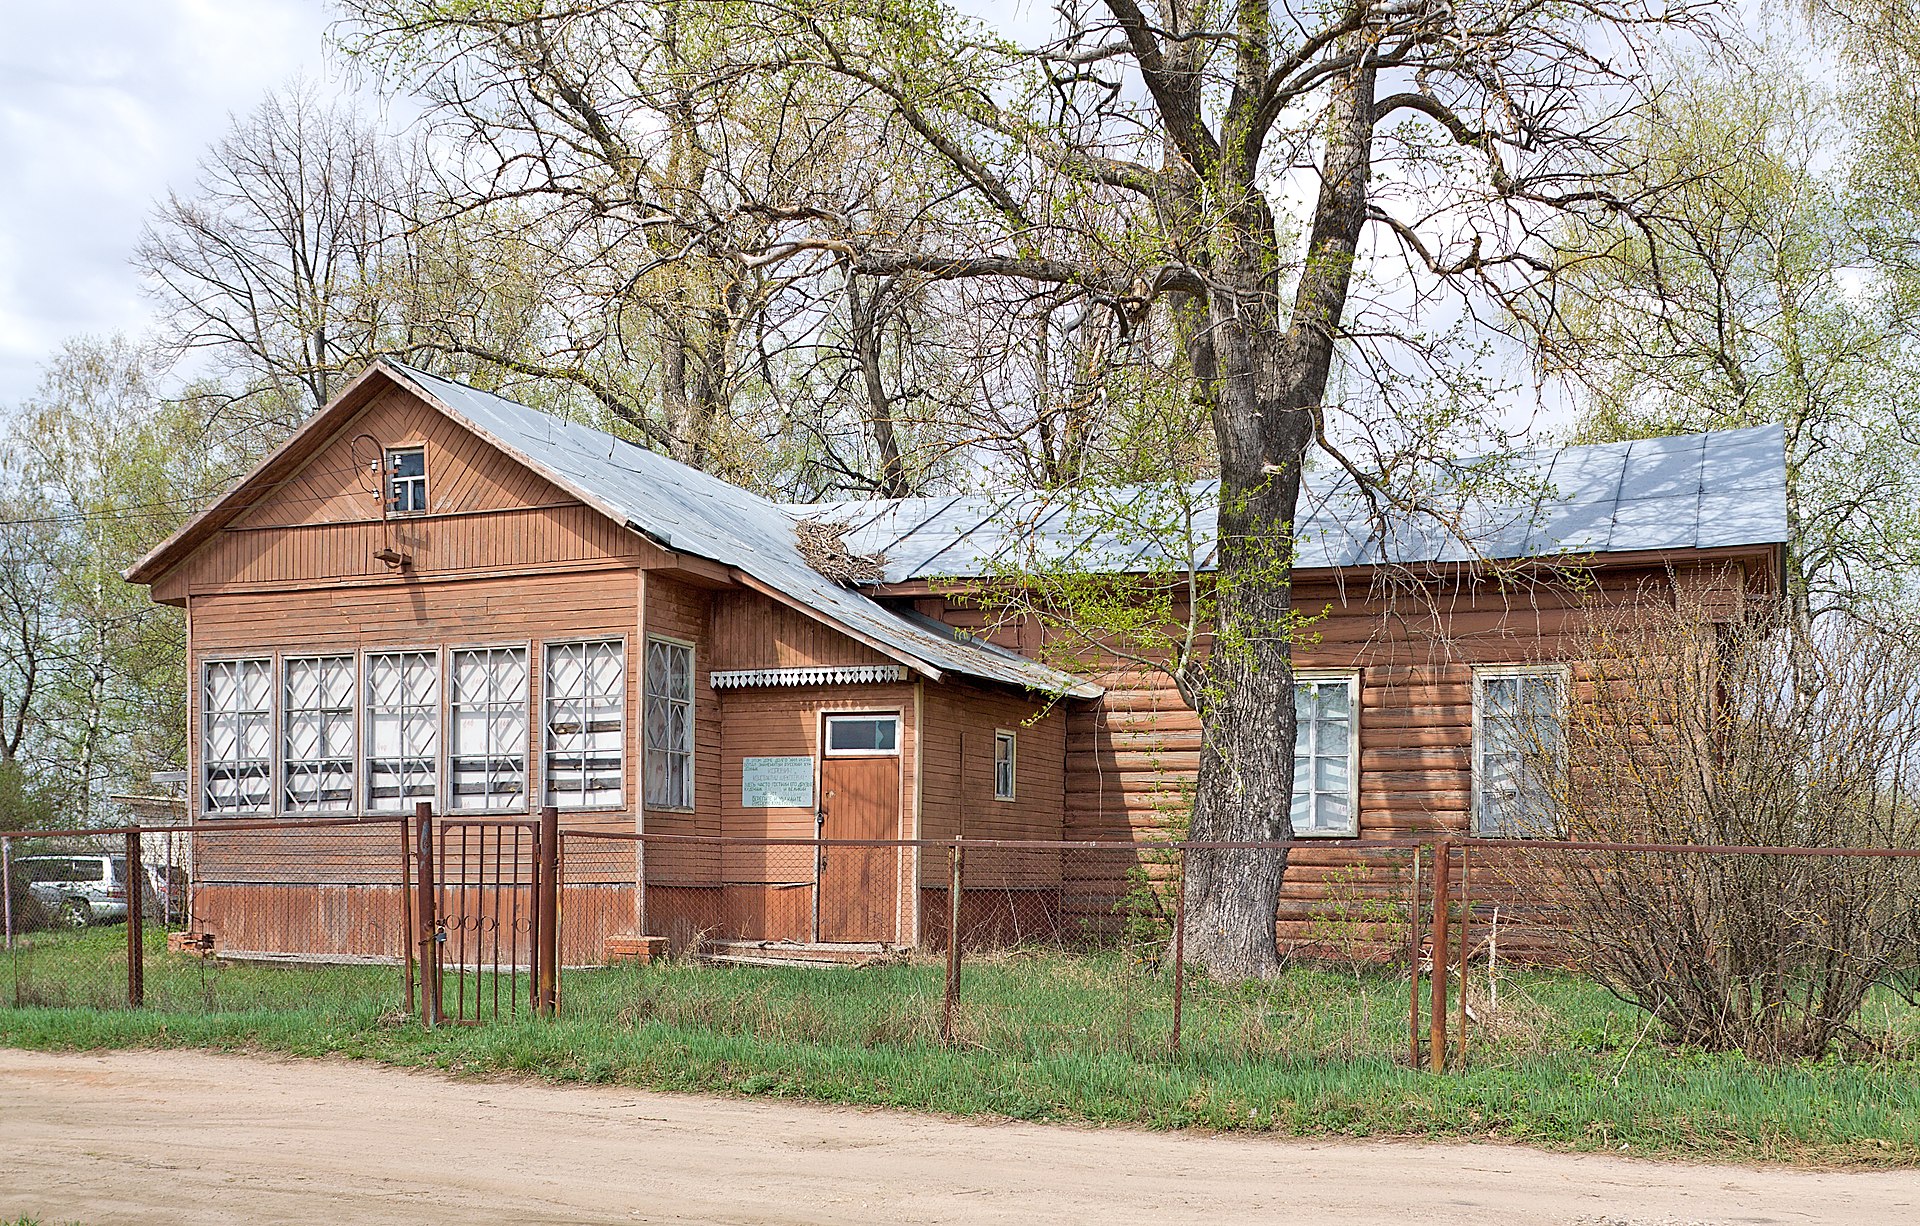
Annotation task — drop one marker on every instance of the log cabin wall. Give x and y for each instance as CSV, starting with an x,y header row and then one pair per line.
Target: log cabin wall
x,y
1132,756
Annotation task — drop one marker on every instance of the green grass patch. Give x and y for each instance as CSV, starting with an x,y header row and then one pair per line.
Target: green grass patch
x,y
1040,1036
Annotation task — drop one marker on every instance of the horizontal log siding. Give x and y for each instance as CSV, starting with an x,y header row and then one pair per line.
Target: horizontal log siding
x,y
464,472
1132,756
751,631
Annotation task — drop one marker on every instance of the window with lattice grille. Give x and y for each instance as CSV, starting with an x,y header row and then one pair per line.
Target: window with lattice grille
x,y
487,728
669,724
403,729
317,734
585,688
236,737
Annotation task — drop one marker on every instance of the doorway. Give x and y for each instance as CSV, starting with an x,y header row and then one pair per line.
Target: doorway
x,y
859,887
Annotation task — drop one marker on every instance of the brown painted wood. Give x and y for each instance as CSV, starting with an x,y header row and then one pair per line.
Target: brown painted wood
x,y
859,888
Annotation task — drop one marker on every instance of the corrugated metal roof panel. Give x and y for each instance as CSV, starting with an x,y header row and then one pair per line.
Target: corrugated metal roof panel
x,y
1691,491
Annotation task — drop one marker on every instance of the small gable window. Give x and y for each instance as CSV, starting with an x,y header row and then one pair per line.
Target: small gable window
x,y
406,480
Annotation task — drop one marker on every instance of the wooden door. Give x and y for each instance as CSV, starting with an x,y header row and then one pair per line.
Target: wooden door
x,y
859,886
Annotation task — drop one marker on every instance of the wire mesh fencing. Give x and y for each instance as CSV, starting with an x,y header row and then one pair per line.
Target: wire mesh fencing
x,y
221,917
1028,948
1416,952
1774,951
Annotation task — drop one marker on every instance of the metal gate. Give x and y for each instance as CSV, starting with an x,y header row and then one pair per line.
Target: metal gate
x,y
488,902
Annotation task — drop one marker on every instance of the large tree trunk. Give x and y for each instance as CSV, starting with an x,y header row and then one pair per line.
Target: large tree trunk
x,y
1267,384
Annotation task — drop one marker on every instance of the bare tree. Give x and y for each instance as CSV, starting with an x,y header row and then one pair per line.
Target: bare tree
x,y
264,264
1140,158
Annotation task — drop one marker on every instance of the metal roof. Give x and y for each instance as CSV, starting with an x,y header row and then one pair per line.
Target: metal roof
x,y
694,513
1694,491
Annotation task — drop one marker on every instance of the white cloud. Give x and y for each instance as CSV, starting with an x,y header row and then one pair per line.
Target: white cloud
x,y
103,106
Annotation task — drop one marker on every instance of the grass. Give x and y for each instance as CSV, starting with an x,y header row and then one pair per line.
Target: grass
x,y
1044,1037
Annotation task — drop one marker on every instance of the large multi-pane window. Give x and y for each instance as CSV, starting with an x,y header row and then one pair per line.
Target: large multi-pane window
x,y
1516,736
317,734
1323,755
236,746
403,728
668,723
487,728
585,685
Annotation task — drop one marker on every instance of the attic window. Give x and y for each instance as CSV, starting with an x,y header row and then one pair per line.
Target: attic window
x,y
406,469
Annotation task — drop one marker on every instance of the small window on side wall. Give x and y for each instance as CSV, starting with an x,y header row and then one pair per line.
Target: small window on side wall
x,y
1516,738
1003,765
406,469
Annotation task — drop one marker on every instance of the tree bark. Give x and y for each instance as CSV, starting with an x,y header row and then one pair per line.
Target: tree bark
x,y
1267,382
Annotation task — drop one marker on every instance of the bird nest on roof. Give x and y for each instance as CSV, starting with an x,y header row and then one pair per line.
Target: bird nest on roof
x,y
823,544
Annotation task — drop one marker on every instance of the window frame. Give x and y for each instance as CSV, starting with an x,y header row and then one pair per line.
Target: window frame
x,y
449,709
828,718
356,754
1561,675
1351,677
389,481
647,802
1009,738
272,713
540,712
367,655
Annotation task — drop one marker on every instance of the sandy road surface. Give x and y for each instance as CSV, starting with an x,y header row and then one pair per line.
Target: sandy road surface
x,y
162,1137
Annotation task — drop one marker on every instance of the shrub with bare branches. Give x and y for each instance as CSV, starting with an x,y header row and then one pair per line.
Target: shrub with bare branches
x,y
1687,728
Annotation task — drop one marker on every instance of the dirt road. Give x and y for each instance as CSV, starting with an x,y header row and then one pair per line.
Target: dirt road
x,y
161,1137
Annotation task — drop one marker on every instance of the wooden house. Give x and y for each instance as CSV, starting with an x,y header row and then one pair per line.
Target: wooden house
x,y
431,593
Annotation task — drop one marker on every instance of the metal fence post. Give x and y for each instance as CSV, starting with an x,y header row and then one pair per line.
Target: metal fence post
x,y
954,859
136,875
1179,938
547,917
1437,1014
1413,962
6,886
1466,927
426,915
406,914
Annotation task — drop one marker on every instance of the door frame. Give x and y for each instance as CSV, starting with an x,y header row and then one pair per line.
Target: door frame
x,y
899,755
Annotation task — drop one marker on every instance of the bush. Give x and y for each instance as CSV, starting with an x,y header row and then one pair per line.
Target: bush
x,y
1744,733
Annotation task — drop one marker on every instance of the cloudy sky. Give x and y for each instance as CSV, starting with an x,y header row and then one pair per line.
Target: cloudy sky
x,y
103,105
